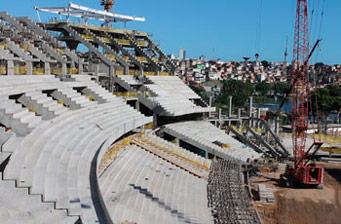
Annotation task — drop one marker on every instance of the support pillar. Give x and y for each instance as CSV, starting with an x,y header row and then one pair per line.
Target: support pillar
x,y
239,117
126,70
210,104
29,65
250,112
80,66
97,72
47,68
258,118
230,110
64,69
277,125
220,117
137,105
111,79
10,67
177,141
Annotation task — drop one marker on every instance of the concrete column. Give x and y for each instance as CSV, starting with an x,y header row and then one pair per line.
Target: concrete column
x,y
97,72
277,125
177,141
239,117
137,105
47,68
10,67
80,66
230,106
230,110
64,69
250,112
29,68
220,118
154,119
258,117
111,78
210,104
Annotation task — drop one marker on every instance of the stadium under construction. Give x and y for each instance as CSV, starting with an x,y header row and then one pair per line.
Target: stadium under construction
x,y
109,134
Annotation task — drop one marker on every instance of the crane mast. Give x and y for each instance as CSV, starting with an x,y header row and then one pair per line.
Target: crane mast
x,y
304,171
300,90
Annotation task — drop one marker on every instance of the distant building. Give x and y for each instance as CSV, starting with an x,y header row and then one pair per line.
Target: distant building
x,y
182,54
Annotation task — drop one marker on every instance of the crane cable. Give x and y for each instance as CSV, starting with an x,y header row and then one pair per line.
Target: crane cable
x,y
318,32
319,36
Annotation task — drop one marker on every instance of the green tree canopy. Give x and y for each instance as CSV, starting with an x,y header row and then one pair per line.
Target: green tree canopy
x,y
328,99
239,90
263,88
281,88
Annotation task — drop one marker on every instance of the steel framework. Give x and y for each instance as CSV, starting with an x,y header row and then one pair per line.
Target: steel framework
x,y
299,81
304,171
74,10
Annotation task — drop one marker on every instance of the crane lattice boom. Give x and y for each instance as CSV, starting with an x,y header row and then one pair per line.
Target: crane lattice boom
x,y
300,82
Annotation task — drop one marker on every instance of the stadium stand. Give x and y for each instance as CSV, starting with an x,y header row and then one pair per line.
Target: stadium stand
x,y
73,152
211,139
174,154
53,159
140,187
171,97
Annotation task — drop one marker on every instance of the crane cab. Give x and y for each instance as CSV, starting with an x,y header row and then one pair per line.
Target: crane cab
x,y
310,175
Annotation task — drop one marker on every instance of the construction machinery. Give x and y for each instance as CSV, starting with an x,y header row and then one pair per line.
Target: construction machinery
x,y
302,170
108,4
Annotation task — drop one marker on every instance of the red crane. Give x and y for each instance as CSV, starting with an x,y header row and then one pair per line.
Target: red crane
x,y
304,171
108,4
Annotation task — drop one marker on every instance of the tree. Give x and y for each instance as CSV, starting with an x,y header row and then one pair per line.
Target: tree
x,y
265,64
281,88
263,88
239,90
328,99
201,92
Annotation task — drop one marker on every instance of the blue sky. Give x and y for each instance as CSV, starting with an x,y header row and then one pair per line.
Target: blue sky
x,y
226,29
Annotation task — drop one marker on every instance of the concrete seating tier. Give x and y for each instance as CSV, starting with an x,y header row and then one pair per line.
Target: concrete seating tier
x,y
56,162
32,99
42,104
55,159
228,196
173,106
128,82
71,98
172,153
131,80
206,136
16,206
179,106
140,187
4,137
16,117
86,80
177,149
171,97
165,84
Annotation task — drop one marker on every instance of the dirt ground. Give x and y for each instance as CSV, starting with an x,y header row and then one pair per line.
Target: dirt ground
x,y
304,206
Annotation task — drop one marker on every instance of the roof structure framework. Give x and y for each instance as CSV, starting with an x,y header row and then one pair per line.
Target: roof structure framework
x,y
85,13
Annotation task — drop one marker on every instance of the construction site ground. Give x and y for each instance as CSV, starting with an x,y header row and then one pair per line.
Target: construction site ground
x,y
301,206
